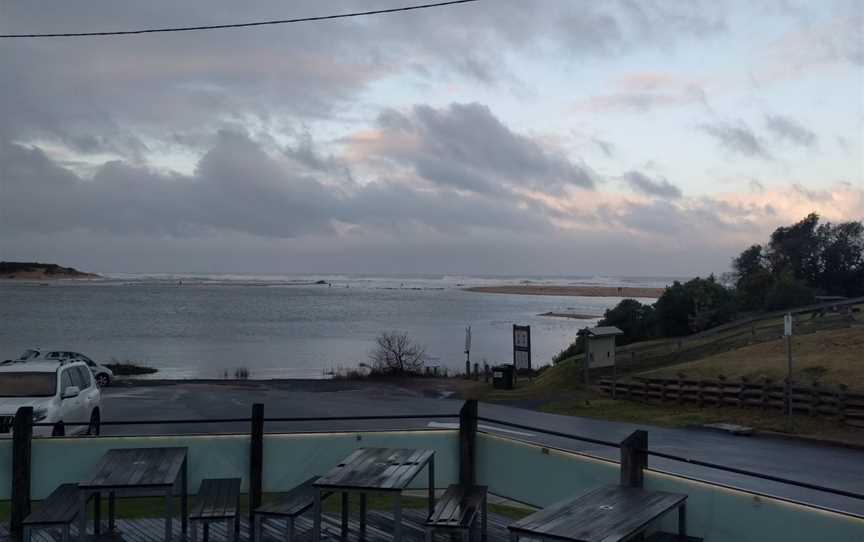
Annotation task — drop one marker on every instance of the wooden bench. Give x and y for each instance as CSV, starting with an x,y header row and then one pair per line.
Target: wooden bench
x,y
218,499
59,510
457,510
288,506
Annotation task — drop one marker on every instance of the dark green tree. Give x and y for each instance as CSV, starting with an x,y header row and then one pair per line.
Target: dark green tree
x,y
635,319
841,259
752,278
796,249
693,306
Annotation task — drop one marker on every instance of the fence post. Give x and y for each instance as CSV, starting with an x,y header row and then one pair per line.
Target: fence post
x,y
22,439
634,458
468,442
256,460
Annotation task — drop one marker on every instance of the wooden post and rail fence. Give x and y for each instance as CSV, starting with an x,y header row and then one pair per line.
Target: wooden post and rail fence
x,y
764,394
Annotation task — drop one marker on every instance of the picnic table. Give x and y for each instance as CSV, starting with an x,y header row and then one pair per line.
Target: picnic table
x,y
137,470
374,471
607,514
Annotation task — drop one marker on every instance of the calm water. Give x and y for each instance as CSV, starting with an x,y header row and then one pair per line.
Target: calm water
x,y
276,326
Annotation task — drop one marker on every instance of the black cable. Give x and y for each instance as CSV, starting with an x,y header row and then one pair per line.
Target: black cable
x,y
238,25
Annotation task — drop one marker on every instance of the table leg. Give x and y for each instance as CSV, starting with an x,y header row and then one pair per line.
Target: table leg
x,y
397,517
111,504
184,495
431,485
362,516
344,515
97,512
316,526
169,514
484,526
83,499
682,521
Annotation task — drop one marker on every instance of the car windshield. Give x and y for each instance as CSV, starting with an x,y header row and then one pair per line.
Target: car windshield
x,y
29,354
27,384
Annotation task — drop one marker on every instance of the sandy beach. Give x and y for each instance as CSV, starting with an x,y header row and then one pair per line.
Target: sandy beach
x,y
580,291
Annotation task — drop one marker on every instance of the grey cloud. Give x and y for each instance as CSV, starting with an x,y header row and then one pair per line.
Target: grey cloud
x,y
238,188
465,146
157,84
659,187
790,130
737,137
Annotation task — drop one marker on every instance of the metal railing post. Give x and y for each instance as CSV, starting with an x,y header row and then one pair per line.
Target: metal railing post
x,y
634,459
256,461
468,442
22,439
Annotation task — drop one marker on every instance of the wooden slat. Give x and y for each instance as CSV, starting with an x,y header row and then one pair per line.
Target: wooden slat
x,y
457,507
382,469
137,467
605,514
60,507
216,499
295,502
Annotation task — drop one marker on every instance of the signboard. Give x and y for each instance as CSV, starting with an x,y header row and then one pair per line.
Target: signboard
x,y
787,325
522,348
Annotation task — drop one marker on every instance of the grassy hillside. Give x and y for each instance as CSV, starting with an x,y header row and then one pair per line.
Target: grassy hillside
x,y
832,357
827,347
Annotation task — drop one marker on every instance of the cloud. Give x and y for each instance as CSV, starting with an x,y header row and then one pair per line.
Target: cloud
x,y
789,129
738,138
659,187
465,147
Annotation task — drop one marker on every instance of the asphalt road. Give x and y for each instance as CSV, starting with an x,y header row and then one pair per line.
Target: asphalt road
x,y
829,466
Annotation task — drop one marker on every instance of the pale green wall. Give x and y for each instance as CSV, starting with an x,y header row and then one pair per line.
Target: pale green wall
x,y
288,458
523,472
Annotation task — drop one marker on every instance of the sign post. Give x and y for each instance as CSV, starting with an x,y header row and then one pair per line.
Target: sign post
x,y
468,351
521,348
787,333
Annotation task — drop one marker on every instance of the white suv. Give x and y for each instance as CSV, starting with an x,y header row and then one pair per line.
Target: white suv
x,y
103,374
58,392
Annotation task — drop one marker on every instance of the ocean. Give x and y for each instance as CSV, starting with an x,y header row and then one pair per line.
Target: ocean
x,y
204,326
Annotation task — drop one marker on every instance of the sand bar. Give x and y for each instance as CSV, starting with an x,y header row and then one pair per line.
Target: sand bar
x,y
580,291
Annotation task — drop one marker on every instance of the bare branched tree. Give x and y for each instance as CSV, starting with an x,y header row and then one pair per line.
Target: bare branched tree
x,y
395,352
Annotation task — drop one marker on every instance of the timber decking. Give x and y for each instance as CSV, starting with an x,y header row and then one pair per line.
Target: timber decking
x,y
379,528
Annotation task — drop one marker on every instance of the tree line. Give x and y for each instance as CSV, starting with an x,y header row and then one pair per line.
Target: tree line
x,y
800,262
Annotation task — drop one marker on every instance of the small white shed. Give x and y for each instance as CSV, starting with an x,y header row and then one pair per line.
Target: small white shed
x,y
601,345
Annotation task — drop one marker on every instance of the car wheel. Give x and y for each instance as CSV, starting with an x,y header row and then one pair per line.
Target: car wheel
x,y
102,380
93,427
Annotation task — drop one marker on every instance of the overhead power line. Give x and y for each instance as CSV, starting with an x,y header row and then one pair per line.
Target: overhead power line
x,y
238,25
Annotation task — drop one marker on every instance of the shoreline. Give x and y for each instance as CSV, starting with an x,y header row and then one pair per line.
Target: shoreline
x,y
572,291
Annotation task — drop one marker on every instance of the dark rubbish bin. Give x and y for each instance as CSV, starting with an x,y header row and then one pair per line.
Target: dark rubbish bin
x,y
502,377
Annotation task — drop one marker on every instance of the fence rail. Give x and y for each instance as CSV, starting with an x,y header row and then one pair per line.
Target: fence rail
x,y
810,400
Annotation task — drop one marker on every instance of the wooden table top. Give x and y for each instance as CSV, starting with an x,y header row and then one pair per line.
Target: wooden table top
x,y
606,514
383,469
137,467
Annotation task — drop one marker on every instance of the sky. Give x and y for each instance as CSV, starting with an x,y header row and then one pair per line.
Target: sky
x,y
508,137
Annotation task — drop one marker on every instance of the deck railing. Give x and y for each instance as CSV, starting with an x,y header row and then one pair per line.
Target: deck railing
x,y
517,466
